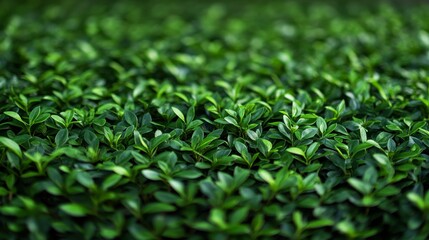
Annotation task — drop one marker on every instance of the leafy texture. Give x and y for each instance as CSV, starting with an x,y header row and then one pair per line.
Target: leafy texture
x,y
196,120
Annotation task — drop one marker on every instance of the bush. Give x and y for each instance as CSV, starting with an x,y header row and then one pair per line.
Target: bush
x,y
214,121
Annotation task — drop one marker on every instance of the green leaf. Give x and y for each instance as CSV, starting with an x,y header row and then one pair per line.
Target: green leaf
x,y
37,116
240,176
178,186
346,227
341,107
59,120
252,135
74,209
391,145
3,191
11,145
166,197
359,185
308,133
190,115
264,146
62,137
217,216
388,191
362,132
15,116
266,176
155,142
42,118
197,137
321,125
140,141
225,181
131,118
381,158
296,151
110,181
241,148
257,222
393,127
178,113
150,174
231,120
320,223
296,109
312,149
151,208
55,176
239,215
34,114
105,107
416,199
189,174
194,124
85,179
362,147
121,171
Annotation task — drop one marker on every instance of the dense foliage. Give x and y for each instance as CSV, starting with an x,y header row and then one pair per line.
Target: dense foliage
x,y
214,121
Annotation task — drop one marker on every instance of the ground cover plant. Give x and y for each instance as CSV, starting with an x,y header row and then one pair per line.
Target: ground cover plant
x,y
193,120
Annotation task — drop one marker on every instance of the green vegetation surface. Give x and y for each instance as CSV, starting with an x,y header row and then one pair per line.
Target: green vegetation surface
x,y
193,120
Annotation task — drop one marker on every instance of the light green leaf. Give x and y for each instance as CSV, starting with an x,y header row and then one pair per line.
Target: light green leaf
x,y
15,116
11,145
296,151
179,113
74,209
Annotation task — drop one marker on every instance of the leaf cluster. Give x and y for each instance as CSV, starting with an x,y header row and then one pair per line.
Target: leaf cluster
x,y
278,121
